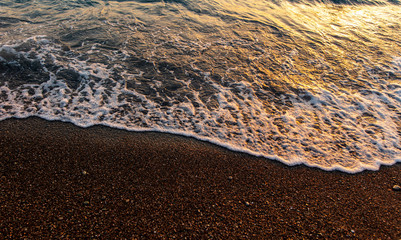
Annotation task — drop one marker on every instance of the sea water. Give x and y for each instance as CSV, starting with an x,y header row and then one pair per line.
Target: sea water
x,y
302,82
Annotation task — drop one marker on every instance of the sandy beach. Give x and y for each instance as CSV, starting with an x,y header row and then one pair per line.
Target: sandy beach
x,y
62,181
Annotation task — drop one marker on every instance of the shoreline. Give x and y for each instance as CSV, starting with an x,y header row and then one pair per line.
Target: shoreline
x,y
62,181
230,148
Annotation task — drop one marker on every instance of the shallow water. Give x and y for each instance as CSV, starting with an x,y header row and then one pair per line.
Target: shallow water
x,y
298,81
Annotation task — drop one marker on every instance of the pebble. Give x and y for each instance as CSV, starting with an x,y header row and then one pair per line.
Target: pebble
x,y
86,203
65,48
247,204
396,188
84,172
230,178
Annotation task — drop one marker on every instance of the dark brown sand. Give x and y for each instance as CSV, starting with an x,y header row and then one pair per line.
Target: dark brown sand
x,y
61,181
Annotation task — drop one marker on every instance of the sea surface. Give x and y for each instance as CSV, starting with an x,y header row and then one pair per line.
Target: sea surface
x,y
302,82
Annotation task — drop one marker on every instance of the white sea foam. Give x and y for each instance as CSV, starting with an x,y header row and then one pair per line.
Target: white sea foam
x,y
325,126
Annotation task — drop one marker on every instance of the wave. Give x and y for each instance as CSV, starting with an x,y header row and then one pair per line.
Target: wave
x,y
300,83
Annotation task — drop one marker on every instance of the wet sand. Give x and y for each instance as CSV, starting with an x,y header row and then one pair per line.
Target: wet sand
x,y
62,181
